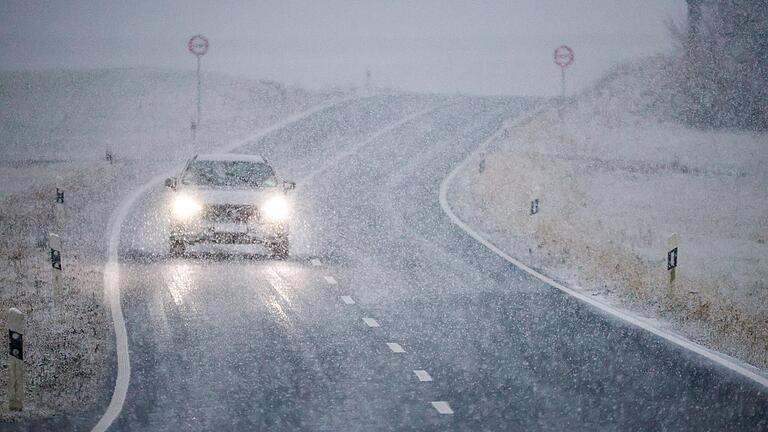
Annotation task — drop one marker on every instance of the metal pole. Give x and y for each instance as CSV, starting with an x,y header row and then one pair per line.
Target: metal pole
x,y
562,82
562,104
198,91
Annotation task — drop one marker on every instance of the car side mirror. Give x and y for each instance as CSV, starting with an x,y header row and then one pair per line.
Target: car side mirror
x,y
170,182
288,185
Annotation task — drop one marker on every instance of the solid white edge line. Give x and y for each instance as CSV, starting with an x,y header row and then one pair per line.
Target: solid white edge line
x,y
735,365
112,297
112,268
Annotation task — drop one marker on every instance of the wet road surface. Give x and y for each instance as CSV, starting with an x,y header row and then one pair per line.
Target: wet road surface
x,y
387,316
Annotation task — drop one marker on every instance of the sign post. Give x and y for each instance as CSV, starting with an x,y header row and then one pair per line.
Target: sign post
x,y
563,58
54,242
16,329
198,45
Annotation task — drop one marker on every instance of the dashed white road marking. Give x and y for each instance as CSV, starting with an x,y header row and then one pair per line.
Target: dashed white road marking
x,y
395,347
422,375
330,280
316,262
347,300
279,284
442,407
370,322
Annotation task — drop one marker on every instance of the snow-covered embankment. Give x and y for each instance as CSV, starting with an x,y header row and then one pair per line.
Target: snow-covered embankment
x,y
615,178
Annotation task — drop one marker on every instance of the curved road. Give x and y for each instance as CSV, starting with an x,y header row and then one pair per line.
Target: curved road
x,y
226,339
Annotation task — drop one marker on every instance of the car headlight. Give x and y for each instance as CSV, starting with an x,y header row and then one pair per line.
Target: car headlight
x,y
276,209
184,207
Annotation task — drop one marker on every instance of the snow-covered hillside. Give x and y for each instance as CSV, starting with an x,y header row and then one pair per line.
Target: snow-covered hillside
x,y
55,128
615,178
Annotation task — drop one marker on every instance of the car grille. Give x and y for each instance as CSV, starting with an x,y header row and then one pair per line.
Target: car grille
x,y
230,212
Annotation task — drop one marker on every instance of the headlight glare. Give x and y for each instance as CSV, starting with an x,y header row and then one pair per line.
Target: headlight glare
x,y
184,207
276,209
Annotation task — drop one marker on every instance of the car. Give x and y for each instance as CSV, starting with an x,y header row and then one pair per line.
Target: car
x,y
229,199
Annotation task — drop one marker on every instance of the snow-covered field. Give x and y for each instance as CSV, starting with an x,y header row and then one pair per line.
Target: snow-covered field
x,y
615,178
55,129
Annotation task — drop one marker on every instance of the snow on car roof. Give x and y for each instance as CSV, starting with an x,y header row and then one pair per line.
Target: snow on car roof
x,y
231,157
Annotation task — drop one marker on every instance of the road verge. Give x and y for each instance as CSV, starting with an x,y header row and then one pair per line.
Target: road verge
x,y
721,359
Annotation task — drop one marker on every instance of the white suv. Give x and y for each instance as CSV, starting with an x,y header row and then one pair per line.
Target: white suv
x,y
229,198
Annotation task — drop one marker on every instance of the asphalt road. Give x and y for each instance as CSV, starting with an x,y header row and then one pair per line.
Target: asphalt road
x,y
226,339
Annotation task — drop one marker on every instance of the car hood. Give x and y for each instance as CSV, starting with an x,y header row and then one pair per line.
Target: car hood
x,y
230,196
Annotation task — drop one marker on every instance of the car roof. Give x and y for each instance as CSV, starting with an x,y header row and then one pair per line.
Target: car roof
x,y
231,157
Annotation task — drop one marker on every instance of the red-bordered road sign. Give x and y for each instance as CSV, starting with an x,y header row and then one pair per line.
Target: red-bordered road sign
x,y
198,45
563,56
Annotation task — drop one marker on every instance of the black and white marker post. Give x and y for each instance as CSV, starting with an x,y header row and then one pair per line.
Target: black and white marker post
x,y
54,242
534,206
672,244
16,329
58,207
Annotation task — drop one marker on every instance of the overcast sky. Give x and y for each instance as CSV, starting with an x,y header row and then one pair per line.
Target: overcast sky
x,y
488,47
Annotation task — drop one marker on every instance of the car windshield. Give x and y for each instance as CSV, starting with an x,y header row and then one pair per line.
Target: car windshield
x,y
229,174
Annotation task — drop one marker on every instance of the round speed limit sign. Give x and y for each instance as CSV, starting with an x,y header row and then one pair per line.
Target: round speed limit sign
x,y
198,45
563,56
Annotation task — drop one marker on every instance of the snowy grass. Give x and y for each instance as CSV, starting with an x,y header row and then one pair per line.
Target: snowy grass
x,y
55,128
615,178
66,343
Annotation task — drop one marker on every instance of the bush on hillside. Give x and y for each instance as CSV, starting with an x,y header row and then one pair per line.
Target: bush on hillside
x,y
722,72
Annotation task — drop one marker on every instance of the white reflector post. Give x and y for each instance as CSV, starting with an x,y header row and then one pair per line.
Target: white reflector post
x,y
16,329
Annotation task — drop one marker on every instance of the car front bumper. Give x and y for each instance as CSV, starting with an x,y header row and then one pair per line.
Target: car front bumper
x,y
228,233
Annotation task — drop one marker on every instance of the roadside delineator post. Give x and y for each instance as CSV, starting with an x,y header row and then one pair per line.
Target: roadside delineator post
x,y
534,206
58,207
16,329
54,243
672,244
